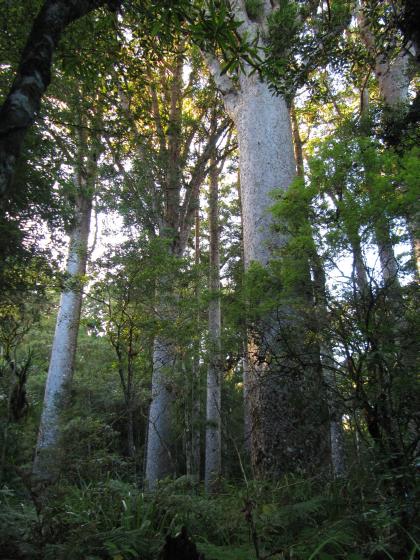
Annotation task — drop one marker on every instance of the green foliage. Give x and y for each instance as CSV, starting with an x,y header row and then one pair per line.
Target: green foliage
x,y
301,40
213,552
114,519
108,520
284,27
356,188
18,522
254,8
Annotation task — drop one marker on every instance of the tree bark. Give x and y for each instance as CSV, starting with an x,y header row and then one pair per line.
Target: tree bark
x,y
32,79
47,460
213,464
181,193
266,162
159,462
393,81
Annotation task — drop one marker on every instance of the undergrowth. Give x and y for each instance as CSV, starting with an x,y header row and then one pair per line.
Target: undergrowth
x,y
295,518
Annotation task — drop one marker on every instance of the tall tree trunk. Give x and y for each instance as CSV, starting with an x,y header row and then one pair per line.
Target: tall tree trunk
x,y
60,372
266,162
394,81
32,79
213,463
196,381
181,193
159,463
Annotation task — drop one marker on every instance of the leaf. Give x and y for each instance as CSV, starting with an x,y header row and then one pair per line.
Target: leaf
x,y
323,544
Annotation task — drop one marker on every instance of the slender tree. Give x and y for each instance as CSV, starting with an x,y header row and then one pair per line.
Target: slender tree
x,y
176,138
214,372
60,372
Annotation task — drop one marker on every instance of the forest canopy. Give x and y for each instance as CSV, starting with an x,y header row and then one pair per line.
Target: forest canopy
x,y
210,261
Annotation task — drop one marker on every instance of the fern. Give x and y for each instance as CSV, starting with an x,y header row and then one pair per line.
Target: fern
x,y
213,552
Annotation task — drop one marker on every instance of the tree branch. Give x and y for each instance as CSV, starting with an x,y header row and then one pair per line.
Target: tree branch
x,y
32,79
223,82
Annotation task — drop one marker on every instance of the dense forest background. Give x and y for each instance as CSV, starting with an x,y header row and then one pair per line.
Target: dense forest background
x,y
210,252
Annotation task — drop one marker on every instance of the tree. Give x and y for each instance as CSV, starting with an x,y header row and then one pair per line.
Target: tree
x,y
303,227
214,372
266,162
60,372
180,147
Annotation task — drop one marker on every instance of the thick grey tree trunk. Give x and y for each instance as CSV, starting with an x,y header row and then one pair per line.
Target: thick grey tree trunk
x,y
266,162
60,372
213,463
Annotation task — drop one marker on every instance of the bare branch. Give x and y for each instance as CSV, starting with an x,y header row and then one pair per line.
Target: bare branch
x,y
223,82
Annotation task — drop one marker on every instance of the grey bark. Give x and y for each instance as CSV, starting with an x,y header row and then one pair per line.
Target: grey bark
x,y
266,162
213,463
159,462
60,371
181,192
